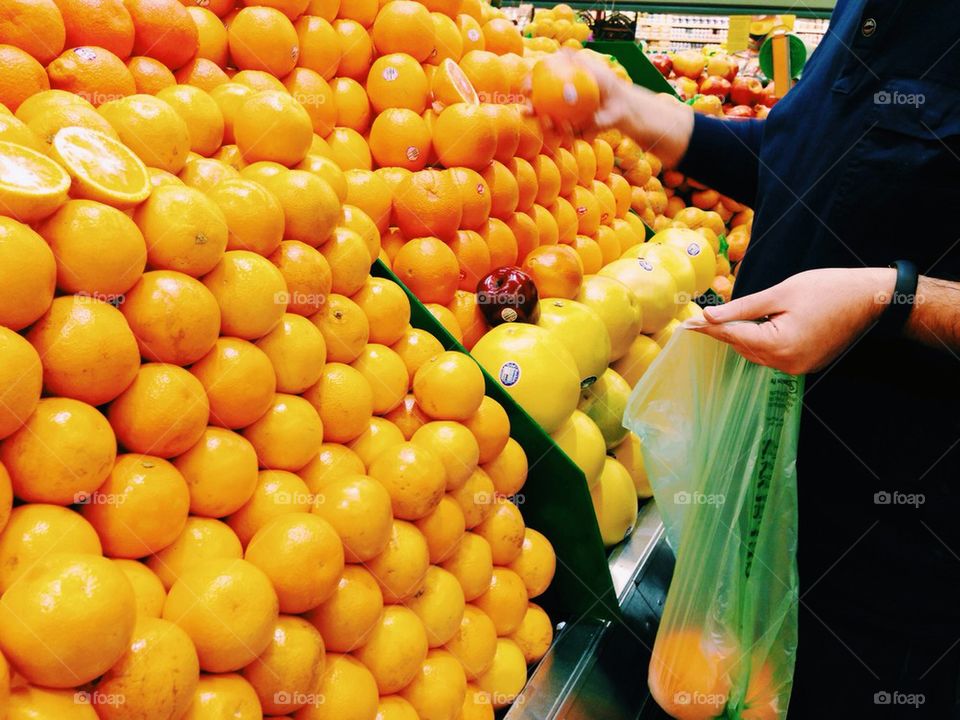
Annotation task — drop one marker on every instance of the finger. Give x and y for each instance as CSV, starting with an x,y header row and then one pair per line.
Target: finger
x,y
758,338
750,307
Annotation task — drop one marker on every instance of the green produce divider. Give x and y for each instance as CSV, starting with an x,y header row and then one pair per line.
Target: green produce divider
x,y
636,63
555,499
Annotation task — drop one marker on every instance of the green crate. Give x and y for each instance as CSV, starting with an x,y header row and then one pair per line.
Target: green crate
x,y
636,63
556,500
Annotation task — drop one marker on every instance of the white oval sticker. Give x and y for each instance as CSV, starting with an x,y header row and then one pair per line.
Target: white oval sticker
x,y
390,74
509,374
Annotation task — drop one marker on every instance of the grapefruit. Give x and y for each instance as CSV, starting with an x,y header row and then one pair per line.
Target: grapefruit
x,y
604,402
643,351
653,286
616,306
697,249
534,368
630,455
581,440
688,674
674,261
582,332
615,502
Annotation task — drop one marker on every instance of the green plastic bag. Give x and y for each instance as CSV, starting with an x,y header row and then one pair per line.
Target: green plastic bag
x,y
719,435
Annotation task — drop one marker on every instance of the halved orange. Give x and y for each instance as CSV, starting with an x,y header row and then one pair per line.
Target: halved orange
x,y
103,169
450,85
32,186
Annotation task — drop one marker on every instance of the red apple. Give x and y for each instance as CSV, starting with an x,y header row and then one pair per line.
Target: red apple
x,y
689,63
663,63
714,85
507,294
708,105
761,111
686,87
769,97
740,112
722,66
745,91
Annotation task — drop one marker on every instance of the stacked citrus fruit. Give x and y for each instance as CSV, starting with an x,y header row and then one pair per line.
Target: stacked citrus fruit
x,y
234,480
553,28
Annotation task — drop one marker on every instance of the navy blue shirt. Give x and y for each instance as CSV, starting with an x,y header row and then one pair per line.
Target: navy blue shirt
x,y
860,166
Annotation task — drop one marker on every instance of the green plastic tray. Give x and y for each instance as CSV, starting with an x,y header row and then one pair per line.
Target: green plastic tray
x,y
555,498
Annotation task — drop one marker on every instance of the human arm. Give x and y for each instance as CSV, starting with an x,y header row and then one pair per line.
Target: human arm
x,y
814,316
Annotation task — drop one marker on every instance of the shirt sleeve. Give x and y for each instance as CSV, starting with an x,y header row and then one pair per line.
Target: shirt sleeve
x,y
725,156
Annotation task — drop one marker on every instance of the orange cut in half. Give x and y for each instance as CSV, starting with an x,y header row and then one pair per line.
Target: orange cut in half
x,y
32,186
103,169
451,85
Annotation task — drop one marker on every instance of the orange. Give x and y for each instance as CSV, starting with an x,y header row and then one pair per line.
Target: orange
x,y
450,8
151,128
290,666
347,254
505,601
475,197
395,649
379,435
307,276
319,46
327,170
349,615
536,563
403,26
397,81
501,37
101,23
163,412
344,326
448,43
416,347
344,400
228,608
548,232
263,38
449,85
99,251
184,230
473,258
428,204
230,96
391,243
475,497
358,508
503,528
591,257
33,186
326,9
141,507
387,309
470,33
586,161
220,472
353,105
174,317
447,319
35,27
239,381
211,35
273,126
149,75
527,184
443,528
302,556
449,386
201,73
201,114
535,633
71,338
314,95
607,201
48,613
439,689
22,379
394,707
16,131
548,180
687,664
163,30
356,50
622,193
526,232
469,317
333,462
400,570
504,190
501,242
531,138
85,446
287,435
347,689
278,493
368,191
414,476
508,467
464,136
147,588
26,700
488,75
254,216
202,539
569,171
222,695
205,173
567,220
310,206
491,429
258,81
564,92
23,76
556,269
475,642
251,292
399,137
407,416
476,704
454,446
429,268
605,159
507,674
349,149
386,373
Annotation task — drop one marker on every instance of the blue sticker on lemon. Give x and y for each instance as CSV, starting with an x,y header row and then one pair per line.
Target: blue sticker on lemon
x,y
509,374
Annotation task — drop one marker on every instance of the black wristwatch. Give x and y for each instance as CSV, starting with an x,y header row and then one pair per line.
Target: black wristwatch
x,y
904,297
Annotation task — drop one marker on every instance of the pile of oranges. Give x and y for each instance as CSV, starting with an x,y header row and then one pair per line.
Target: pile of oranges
x,y
553,28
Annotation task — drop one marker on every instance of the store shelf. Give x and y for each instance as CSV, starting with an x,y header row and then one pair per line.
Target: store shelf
x,y
810,8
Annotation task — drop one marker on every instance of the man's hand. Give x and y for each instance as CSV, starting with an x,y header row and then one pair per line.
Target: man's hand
x,y
810,318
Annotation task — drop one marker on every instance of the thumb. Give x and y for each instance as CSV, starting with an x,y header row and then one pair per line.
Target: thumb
x,y
749,307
